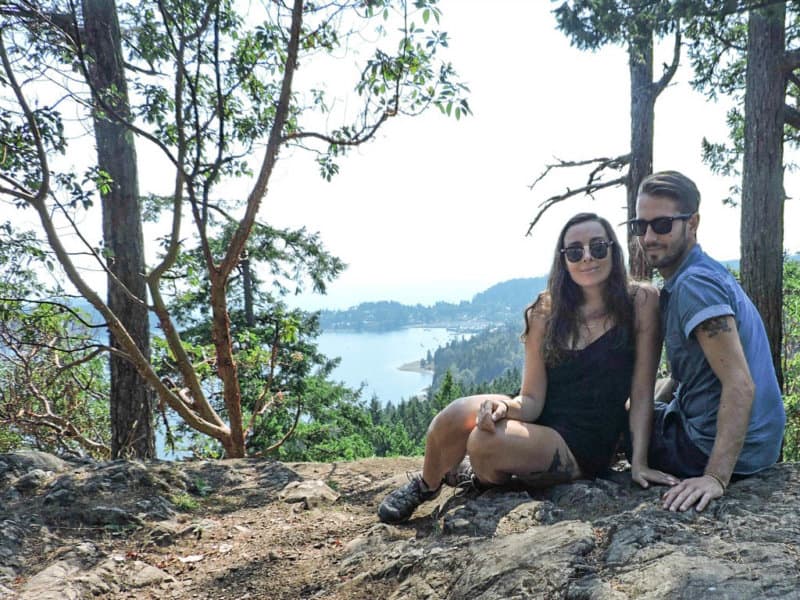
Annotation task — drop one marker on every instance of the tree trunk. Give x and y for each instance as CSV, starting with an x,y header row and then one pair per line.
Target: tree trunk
x,y
226,368
762,185
643,97
131,400
247,290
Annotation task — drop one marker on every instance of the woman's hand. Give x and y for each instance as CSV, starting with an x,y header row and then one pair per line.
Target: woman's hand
x,y
489,413
644,476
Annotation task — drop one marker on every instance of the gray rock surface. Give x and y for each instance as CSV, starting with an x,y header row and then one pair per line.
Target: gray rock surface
x,y
308,493
601,540
606,539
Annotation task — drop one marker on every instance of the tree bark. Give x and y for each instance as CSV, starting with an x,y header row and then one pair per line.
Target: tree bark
x,y
247,290
131,401
762,185
226,367
643,98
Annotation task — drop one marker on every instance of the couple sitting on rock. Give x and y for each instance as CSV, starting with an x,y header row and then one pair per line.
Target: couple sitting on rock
x,y
593,342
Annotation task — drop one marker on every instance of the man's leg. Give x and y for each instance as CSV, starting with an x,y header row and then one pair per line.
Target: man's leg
x,y
671,450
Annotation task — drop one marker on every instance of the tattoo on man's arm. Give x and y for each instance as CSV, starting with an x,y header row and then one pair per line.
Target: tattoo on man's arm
x,y
715,325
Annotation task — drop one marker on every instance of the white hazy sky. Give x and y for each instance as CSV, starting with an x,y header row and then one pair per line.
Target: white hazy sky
x,y
437,209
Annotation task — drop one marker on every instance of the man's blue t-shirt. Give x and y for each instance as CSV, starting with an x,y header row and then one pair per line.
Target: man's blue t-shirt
x,y
702,289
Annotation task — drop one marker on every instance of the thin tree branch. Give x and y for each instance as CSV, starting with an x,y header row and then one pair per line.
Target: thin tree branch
x,y
288,434
273,145
791,60
791,116
60,305
587,189
593,184
670,69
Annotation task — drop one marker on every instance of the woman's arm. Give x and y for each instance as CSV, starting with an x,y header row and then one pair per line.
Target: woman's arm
x,y
648,352
527,406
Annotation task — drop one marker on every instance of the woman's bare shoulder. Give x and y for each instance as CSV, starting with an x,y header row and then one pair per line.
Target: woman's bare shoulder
x,y
643,293
540,309
537,315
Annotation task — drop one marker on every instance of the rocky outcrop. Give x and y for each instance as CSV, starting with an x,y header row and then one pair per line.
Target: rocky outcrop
x,y
606,539
62,525
48,504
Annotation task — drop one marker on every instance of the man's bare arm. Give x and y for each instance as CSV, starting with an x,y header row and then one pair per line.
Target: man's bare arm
x,y
719,339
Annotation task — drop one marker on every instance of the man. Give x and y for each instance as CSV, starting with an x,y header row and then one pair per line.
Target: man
x,y
726,416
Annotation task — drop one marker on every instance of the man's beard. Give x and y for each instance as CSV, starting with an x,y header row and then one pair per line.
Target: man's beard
x,y
674,254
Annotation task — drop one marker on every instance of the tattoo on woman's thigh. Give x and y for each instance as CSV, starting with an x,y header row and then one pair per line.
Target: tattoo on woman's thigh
x,y
559,471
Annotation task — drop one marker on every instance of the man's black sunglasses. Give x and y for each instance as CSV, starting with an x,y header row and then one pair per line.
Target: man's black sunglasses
x,y
660,225
597,248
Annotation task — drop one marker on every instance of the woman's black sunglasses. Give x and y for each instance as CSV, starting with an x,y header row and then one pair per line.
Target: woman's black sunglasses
x,y
660,225
597,248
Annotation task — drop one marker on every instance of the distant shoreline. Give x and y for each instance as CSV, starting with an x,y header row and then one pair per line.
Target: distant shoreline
x,y
416,367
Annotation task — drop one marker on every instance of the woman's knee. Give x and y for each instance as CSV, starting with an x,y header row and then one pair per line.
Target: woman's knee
x,y
482,446
458,416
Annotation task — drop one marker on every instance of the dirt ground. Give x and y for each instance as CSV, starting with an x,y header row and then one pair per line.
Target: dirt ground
x,y
243,542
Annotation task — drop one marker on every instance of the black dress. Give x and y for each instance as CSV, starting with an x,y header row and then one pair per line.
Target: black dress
x,y
586,395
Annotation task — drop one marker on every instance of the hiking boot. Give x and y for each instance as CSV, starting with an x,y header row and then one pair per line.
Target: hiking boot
x,y
401,503
461,475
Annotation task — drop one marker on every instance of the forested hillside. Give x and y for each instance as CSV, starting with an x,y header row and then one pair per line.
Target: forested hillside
x,y
481,358
502,303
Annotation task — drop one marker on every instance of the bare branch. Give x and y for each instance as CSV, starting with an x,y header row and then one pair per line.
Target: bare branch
x,y
791,60
60,305
791,116
587,189
669,71
593,183
362,136
288,434
274,142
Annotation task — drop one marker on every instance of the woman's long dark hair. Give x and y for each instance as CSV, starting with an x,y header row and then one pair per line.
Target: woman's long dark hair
x,y
563,298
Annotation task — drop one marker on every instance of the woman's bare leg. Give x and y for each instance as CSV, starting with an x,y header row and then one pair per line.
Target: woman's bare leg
x,y
446,442
537,455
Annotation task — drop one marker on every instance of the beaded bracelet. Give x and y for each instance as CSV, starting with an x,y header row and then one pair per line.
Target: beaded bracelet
x,y
718,479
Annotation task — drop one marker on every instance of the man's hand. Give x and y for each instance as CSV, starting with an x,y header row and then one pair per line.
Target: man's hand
x,y
644,476
696,490
489,413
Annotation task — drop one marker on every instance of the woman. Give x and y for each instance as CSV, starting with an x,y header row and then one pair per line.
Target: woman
x,y
591,342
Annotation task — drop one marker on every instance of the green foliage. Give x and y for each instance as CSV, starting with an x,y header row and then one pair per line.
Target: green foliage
x,y
590,24
274,347
53,381
335,425
791,357
716,40
448,391
211,90
483,357
185,502
400,429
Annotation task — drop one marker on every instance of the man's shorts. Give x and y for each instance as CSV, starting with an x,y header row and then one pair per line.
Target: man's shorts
x,y
671,450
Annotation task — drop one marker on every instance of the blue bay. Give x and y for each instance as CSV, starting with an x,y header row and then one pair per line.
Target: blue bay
x,y
375,359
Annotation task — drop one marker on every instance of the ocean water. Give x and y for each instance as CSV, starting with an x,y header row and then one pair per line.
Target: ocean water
x,y
374,359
